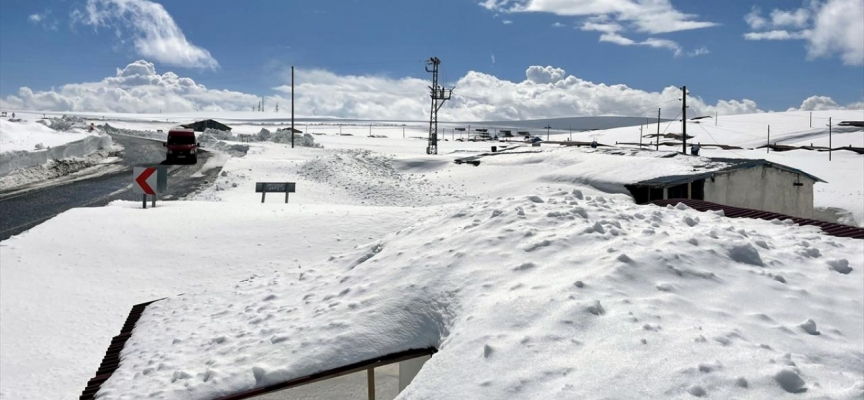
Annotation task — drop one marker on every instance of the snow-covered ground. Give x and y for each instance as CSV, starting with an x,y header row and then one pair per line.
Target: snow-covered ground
x,y
534,275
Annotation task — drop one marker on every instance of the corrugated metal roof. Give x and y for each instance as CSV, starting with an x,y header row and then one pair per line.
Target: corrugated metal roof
x,y
829,228
111,361
734,164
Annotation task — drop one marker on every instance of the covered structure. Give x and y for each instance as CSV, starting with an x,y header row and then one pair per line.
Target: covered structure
x,y
203,125
754,184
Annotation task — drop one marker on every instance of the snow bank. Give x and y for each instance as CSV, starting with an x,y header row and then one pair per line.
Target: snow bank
x,y
10,161
562,298
26,135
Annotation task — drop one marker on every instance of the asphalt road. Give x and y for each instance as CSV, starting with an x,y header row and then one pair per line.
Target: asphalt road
x,y
22,211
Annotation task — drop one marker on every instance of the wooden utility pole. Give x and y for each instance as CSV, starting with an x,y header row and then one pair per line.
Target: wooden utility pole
x,y
658,129
768,147
829,138
684,119
292,106
640,137
547,132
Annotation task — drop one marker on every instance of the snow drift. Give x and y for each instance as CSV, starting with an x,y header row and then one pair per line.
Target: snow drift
x,y
556,295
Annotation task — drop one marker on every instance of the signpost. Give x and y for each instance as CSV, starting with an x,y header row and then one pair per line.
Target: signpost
x,y
149,180
274,187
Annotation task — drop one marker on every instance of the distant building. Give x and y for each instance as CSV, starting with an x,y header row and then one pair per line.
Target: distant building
x,y
201,126
755,184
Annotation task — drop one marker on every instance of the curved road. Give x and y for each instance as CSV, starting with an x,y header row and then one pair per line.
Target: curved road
x,y
20,211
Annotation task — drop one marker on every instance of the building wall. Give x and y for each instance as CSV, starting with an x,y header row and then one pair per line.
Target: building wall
x,y
763,188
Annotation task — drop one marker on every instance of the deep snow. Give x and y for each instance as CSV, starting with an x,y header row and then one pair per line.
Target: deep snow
x,y
530,284
27,134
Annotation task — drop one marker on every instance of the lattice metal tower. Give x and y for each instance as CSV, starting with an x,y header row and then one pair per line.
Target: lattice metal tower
x,y
438,94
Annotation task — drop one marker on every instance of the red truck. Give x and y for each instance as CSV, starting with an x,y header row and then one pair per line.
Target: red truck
x,y
182,145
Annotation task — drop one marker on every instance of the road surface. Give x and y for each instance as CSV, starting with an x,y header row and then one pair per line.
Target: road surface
x,y
22,211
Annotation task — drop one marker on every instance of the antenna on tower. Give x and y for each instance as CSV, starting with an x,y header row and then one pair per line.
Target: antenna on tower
x,y
438,94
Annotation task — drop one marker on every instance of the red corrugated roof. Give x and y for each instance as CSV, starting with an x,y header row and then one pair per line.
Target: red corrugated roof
x,y
829,228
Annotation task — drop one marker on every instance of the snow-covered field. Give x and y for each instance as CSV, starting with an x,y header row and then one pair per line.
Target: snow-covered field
x,y
533,274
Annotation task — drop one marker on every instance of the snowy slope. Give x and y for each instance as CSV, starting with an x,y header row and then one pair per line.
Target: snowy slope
x,y
27,133
559,295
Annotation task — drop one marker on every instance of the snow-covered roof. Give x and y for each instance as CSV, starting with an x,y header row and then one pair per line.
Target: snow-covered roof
x,y
733,164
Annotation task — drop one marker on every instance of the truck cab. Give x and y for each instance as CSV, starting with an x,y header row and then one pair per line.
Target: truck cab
x,y
181,146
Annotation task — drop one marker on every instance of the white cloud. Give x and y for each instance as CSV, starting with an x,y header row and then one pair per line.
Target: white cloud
x,y
605,27
650,42
699,52
506,22
35,18
651,16
493,58
839,29
797,18
613,18
44,20
557,25
754,18
545,92
829,27
153,31
135,88
776,35
815,103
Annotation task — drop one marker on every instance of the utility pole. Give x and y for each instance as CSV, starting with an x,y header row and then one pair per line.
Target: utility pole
x,y
768,147
277,107
571,133
658,129
640,137
547,132
292,106
829,138
438,93
811,119
403,131
715,118
684,119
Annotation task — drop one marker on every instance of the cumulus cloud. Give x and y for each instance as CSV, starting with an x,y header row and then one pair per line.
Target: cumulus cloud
x,y
35,18
135,88
829,27
545,92
818,103
44,20
153,31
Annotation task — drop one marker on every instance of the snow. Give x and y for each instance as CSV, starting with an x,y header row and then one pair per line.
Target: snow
x,y
26,134
534,274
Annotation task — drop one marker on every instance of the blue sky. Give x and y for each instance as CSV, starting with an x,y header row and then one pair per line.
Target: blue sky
x,y
253,42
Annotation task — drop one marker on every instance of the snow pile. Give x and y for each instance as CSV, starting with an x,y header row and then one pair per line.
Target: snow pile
x,y
27,135
65,123
558,294
56,168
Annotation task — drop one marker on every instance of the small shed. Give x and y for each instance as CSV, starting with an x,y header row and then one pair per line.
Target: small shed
x,y
201,126
755,184
288,128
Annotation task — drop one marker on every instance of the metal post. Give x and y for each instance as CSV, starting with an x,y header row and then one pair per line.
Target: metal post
x,y
403,132
144,201
263,193
370,130
547,132
829,138
292,106
640,137
286,197
658,129
768,147
370,382
811,119
684,119
153,197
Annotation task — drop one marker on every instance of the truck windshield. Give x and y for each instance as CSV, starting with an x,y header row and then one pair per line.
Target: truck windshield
x,y
181,140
